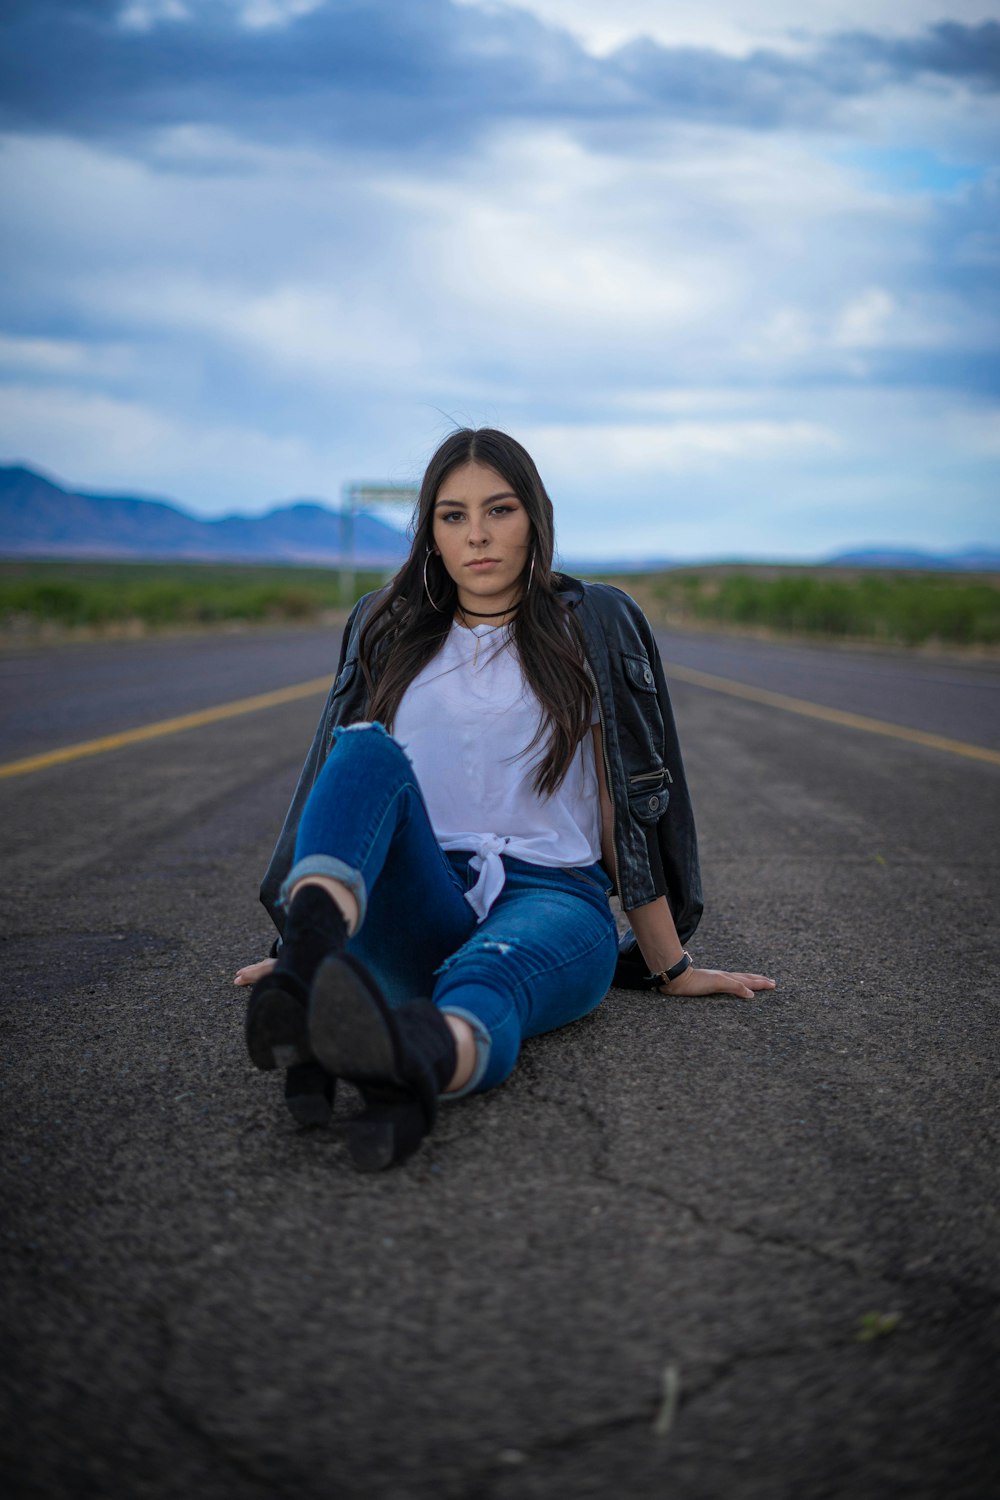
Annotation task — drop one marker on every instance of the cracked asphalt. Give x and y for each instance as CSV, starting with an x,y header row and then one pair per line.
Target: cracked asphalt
x,y
705,1250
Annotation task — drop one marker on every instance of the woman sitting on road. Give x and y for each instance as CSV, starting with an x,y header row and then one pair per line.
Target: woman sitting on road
x,y
443,893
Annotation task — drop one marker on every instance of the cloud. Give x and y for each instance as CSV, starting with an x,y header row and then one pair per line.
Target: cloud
x,y
966,54
672,447
381,76
48,357
738,28
375,75
259,248
143,15
102,441
798,474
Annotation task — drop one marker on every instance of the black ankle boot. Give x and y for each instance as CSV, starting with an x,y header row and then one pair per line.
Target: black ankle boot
x,y
276,1020
400,1059
314,927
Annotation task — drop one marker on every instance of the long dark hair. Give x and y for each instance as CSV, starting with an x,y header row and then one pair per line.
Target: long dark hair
x,y
406,629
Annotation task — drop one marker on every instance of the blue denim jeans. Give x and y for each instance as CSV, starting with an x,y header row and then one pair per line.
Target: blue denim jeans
x,y
545,954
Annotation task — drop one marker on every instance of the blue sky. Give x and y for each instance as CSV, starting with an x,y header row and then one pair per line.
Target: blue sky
x,y
733,278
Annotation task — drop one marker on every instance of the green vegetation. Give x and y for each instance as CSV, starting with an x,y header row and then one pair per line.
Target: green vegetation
x,y
892,608
108,596
875,1325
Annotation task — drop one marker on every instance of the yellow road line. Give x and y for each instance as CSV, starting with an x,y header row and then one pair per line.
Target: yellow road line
x,y
165,726
831,715
319,685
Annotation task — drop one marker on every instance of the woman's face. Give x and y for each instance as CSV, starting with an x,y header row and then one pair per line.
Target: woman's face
x,y
483,534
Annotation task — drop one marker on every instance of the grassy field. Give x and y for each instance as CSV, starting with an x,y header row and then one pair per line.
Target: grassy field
x,y
107,597
884,607
891,608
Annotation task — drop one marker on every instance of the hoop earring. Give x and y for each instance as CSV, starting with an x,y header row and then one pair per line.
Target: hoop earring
x,y
427,558
531,572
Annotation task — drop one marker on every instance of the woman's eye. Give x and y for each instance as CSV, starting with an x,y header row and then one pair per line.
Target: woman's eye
x,y
453,515
501,510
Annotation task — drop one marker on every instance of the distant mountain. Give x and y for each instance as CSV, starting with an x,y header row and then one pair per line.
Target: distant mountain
x,y
968,560
41,519
583,567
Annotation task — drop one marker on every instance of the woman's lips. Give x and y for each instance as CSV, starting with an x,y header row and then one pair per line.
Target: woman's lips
x,y
483,564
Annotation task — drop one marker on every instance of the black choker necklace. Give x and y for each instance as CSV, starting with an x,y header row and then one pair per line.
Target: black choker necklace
x,y
494,616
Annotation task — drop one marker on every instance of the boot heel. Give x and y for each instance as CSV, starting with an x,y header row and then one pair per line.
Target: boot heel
x,y
384,1135
309,1094
371,1144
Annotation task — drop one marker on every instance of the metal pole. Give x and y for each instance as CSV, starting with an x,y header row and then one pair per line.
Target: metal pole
x,y
346,588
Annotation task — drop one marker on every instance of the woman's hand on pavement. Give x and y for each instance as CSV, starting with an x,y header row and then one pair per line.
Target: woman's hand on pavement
x,y
716,982
252,972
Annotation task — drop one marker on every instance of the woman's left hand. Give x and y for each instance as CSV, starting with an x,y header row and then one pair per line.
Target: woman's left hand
x,y
250,973
716,982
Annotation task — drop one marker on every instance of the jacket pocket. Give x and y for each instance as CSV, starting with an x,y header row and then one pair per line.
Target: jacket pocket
x,y
640,719
346,676
639,673
648,795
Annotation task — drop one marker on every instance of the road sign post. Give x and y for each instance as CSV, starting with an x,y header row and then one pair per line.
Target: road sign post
x,y
358,496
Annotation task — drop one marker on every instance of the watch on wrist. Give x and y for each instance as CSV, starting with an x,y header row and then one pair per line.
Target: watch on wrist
x,y
676,970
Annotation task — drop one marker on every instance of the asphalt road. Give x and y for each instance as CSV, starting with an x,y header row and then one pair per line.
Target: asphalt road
x,y
639,1268
53,697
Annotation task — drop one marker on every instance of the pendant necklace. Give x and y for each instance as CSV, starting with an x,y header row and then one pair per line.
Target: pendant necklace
x,y
480,615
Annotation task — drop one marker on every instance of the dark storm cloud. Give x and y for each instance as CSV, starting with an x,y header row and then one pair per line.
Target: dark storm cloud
x,y
968,54
373,73
768,89
380,74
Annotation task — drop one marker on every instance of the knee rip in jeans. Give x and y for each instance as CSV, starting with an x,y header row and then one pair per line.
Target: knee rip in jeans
x,y
370,726
473,946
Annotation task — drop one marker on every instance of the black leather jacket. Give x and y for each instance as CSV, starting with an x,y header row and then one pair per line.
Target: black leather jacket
x,y
655,845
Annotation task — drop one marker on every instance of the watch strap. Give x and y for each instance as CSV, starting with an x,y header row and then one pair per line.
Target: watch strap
x,y
676,970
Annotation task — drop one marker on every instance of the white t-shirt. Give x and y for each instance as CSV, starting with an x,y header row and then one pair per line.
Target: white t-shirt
x,y
465,722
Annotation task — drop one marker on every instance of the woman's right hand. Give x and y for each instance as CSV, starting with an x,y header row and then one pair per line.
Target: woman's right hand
x,y
252,972
716,982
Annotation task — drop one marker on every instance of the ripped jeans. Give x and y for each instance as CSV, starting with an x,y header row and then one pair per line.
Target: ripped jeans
x,y
544,955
